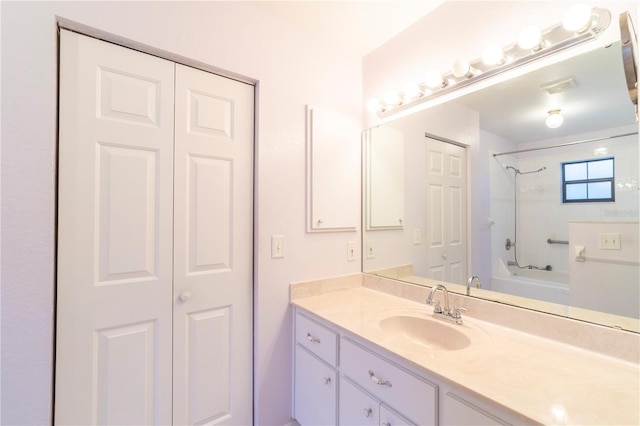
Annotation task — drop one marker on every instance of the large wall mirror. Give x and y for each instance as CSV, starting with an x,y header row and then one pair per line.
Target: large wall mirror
x,y
517,203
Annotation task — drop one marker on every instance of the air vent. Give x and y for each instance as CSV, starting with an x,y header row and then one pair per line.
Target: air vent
x,y
559,86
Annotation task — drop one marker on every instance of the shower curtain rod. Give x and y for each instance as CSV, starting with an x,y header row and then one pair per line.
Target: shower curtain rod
x,y
565,144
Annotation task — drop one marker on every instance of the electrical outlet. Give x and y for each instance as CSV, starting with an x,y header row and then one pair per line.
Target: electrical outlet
x,y
277,246
417,239
351,251
370,251
610,241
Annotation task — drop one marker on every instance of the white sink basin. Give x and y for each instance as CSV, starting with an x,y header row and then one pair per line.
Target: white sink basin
x,y
428,332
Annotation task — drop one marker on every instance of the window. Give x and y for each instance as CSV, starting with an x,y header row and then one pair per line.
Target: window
x,y
588,181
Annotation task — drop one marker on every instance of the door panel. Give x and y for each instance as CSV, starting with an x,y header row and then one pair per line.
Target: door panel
x,y
213,249
125,365
209,364
114,321
209,206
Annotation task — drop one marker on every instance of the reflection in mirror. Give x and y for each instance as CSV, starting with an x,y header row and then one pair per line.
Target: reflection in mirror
x,y
535,236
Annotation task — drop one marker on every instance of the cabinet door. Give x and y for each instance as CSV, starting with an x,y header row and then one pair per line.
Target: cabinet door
x,y
357,407
333,187
315,396
384,178
388,417
455,411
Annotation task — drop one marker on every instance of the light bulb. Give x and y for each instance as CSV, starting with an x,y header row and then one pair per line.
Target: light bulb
x,y
461,68
493,55
554,120
434,79
391,98
374,105
530,38
411,90
577,18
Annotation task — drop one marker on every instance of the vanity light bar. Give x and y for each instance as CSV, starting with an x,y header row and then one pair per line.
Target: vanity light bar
x,y
552,40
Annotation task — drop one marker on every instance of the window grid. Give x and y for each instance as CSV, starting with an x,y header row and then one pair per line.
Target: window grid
x,y
578,187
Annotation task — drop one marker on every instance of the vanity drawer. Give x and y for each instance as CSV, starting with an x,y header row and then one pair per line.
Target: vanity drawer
x,y
408,394
317,338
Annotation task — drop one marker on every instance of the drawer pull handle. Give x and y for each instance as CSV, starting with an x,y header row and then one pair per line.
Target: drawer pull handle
x,y
312,339
386,424
327,380
368,412
377,380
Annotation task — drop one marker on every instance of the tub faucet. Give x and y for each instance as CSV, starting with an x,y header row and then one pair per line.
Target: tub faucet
x,y
470,282
444,313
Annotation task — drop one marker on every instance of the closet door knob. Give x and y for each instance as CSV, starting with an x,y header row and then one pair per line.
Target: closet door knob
x,y
186,295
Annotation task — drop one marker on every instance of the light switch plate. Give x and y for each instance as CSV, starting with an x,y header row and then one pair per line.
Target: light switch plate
x,y
610,241
351,251
417,239
277,246
370,250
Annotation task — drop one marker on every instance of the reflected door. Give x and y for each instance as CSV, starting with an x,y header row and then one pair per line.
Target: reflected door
x,y
446,211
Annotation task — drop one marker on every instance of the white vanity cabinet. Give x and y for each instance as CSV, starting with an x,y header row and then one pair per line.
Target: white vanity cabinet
x,y
358,408
315,375
457,410
339,379
409,394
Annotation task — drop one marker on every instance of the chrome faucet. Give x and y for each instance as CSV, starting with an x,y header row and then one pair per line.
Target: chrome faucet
x,y
444,313
470,283
445,295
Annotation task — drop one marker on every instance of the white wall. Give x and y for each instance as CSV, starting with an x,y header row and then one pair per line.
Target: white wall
x,y
607,280
292,71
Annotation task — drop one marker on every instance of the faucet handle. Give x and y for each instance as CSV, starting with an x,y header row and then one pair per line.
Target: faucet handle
x,y
455,312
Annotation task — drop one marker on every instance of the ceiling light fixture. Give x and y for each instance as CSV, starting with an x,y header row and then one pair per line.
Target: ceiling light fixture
x,y
412,90
493,55
462,68
434,80
577,27
554,119
577,18
530,38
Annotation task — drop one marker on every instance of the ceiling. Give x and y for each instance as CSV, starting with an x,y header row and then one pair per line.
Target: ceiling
x,y
358,27
516,109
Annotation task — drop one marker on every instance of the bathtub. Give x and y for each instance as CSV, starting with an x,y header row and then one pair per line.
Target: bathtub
x,y
550,286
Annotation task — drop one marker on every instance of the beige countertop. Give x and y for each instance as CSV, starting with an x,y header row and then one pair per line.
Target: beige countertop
x,y
544,380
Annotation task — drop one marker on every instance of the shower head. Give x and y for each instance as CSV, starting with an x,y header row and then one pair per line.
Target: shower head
x,y
512,168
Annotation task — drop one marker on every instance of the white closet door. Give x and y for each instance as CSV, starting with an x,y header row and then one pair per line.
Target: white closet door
x,y
114,310
213,249
446,213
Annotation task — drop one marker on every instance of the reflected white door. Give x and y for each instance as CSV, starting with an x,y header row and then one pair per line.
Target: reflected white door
x,y
154,314
115,216
446,211
213,249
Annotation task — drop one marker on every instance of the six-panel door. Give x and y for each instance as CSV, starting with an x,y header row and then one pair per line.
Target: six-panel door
x,y
154,296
